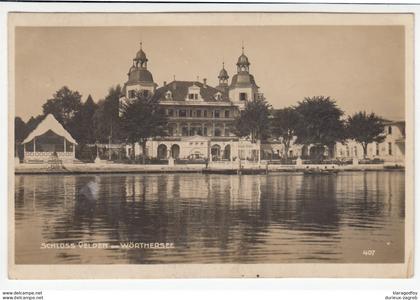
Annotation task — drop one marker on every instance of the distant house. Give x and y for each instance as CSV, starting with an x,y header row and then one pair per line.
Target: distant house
x,y
392,149
47,141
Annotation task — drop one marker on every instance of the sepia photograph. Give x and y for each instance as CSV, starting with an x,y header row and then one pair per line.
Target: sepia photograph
x,y
210,145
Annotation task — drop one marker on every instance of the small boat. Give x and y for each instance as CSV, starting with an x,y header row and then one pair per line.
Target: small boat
x,y
320,171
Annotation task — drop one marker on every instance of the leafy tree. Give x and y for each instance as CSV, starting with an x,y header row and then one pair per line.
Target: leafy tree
x,y
81,126
64,105
20,134
365,128
20,130
284,125
321,123
253,121
106,120
32,123
141,119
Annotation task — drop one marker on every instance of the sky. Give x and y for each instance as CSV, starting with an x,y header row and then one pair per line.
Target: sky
x,y
361,67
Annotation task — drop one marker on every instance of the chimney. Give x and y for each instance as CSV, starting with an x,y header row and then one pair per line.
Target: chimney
x,y
204,82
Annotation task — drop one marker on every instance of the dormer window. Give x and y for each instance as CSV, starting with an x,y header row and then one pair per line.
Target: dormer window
x,y
243,96
168,95
193,93
218,96
193,96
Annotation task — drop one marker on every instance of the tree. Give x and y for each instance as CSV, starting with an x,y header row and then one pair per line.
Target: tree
x,y
20,134
321,123
365,128
33,123
82,125
64,105
253,121
20,130
106,120
141,119
284,125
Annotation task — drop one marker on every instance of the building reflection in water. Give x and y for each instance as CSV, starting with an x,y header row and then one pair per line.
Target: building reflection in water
x,y
209,218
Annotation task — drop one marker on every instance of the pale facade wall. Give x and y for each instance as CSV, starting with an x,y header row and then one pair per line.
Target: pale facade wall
x,y
200,147
234,95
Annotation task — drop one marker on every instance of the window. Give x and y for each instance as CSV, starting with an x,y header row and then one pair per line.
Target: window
x,y
217,114
205,130
191,113
205,114
170,112
227,131
217,132
168,95
389,129
377,149
198,113
182,113
131,94
184,130
227,113
242,96
218,96
390,148
192,96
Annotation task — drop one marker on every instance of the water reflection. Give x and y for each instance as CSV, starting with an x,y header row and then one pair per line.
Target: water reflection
x,y
212,218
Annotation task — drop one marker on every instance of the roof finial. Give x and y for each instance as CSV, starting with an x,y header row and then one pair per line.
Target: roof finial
x,y
242,46
174,78
141,44
198,78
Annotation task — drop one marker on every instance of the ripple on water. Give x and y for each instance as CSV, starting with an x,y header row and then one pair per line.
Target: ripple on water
x,y
211,218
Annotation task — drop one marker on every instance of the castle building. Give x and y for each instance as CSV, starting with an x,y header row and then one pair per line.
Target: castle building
x,y
201,117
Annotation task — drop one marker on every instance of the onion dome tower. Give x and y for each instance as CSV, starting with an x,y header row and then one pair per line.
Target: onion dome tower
x,y
223,79
243,62
140,79
243,87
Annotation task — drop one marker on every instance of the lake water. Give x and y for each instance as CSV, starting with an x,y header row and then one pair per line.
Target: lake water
x,y
196,218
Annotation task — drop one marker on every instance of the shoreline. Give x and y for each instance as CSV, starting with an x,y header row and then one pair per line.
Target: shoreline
x,y
111,168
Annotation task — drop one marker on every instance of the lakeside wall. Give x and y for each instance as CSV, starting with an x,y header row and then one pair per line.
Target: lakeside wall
x,y
92,168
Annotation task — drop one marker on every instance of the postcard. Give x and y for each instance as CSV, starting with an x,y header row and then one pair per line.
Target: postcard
x,y
209,145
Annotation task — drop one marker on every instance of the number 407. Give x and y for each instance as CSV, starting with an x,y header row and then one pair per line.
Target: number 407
x,y
368,252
